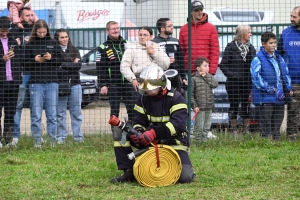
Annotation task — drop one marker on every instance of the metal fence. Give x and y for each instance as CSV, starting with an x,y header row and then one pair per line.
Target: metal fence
x,y
86,39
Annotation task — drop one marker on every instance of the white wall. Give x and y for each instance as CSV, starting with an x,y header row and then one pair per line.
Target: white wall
x,y
146,13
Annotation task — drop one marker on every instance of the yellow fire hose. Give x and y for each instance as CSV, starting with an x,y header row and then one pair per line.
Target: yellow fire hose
x,y
159,166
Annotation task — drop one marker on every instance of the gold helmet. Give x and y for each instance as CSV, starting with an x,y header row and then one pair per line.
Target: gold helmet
x,y
152,79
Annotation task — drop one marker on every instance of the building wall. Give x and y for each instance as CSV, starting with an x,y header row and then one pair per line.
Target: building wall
x,y
147,12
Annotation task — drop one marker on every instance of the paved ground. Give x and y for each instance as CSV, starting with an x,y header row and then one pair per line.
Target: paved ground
x,y
95,119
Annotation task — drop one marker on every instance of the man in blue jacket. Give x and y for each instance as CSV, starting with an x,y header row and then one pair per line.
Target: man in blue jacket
x,y
289,48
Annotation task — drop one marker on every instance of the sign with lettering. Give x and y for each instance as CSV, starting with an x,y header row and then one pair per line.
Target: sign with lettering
x,y
90,14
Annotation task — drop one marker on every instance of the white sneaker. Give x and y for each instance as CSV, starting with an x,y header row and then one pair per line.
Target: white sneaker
x,y
210,135
60,142
13,143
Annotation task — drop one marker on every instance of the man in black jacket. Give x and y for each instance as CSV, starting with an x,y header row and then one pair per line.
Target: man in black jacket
x,y
22,36
111,81
10,78
171,46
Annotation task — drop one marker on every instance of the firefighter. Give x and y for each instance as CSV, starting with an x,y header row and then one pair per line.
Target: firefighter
x,y
160,115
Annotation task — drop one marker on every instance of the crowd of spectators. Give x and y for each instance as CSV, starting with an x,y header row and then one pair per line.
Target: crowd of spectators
x,y
33,60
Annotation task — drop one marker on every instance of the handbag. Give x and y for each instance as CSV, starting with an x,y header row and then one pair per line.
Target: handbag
x,y
64,88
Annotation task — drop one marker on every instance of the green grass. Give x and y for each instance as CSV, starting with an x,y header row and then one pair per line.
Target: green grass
x,y
249,168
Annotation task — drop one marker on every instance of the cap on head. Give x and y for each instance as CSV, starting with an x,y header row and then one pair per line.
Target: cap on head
x,y
152,78
4,22
197,5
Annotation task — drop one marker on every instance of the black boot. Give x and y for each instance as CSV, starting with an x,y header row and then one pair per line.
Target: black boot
x,y
126,177
8,134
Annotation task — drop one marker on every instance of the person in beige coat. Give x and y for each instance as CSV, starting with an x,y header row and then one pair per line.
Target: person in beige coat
x,y
141,54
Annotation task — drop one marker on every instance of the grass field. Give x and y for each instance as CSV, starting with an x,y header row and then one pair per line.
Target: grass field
x,y
249,168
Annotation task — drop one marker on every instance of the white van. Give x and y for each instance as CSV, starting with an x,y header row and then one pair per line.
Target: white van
x,y
229,16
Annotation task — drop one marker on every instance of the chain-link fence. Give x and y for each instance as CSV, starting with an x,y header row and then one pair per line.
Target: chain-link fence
x,y
89,55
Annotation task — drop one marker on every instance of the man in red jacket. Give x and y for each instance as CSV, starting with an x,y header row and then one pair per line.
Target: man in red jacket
x,y
205,41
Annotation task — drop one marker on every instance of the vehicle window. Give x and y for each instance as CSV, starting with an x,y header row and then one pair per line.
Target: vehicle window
x,y
219,76
240,16
92,57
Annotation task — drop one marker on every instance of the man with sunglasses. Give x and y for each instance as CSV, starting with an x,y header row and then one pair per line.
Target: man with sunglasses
x,y
205,41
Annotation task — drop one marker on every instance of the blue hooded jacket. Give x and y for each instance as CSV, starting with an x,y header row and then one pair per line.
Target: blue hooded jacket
x,y
266,76
289,48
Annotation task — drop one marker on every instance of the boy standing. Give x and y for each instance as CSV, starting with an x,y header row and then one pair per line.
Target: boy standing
x,y
270,78
202,98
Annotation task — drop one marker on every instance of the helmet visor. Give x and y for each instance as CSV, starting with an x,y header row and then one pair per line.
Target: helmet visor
x,y
150,83
149,87
152,92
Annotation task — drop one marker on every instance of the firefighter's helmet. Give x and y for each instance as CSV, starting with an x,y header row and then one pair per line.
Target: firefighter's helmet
x,y
152,79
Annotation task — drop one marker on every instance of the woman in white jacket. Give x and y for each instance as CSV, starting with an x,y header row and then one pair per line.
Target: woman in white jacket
x,y
141,54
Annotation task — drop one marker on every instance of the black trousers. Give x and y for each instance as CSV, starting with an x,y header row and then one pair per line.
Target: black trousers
x,y
293,112
270,119
238,93
122,93
8,101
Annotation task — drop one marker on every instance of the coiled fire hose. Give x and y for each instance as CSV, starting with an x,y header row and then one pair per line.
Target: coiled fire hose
x,y
158,166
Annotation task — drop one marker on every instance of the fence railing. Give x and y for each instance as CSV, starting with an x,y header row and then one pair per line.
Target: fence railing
x,y
88,38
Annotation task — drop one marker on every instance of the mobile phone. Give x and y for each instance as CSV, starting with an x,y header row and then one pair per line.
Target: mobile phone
x,y
148,43
171,55
11,49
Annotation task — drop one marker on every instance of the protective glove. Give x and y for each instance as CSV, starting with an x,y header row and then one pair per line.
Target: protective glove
x,y
134,135
147,137
140,130
135,139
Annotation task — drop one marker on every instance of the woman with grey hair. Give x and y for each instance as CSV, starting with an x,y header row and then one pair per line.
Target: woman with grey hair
x,y
235,64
